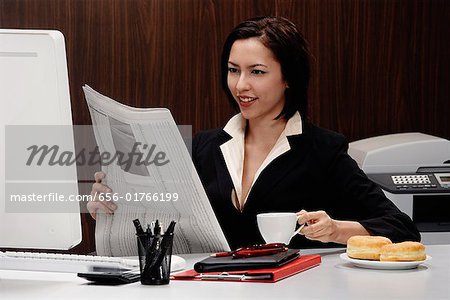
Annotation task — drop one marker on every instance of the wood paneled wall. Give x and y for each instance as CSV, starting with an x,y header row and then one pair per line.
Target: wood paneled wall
x,y
380,66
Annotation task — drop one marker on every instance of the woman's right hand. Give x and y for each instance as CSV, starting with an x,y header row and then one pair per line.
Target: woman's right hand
x,y
98,199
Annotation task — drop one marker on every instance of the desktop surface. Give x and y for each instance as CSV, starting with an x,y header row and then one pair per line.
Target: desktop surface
x,y
333,279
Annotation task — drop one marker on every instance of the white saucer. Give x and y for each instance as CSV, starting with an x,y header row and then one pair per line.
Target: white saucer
x,y
384,265
177,263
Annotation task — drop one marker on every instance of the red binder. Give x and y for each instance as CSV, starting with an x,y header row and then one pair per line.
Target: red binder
x,y
298,265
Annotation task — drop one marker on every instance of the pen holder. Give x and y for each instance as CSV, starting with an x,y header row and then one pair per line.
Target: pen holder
x,y
155,252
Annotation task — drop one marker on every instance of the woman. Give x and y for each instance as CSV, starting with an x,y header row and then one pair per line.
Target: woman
x,y
270,158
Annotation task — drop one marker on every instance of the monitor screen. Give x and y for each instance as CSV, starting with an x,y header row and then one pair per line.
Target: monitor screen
x,y
34,93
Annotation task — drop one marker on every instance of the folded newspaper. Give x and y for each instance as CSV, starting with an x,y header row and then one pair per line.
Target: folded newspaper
x,y
153,178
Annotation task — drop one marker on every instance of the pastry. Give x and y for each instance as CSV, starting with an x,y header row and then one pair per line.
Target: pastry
x,y
366,247
406,251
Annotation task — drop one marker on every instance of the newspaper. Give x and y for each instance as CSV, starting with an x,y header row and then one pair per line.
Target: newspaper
x,y
160,183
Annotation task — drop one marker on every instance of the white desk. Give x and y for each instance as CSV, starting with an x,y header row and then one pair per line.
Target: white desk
x,y
333,279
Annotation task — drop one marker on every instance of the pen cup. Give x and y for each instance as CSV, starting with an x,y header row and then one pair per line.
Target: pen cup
x,y
155,252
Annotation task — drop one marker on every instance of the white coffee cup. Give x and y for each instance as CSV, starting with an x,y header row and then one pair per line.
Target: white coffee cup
x,y
277,227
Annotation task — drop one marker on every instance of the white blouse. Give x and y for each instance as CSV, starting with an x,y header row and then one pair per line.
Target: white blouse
x,y
233,151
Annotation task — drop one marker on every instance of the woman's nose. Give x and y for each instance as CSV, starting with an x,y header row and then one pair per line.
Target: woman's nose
x,y
242,83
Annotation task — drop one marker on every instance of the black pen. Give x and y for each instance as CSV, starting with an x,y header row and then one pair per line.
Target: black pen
x,y
165,245
149,230
150,256
157,229
171,227
138,226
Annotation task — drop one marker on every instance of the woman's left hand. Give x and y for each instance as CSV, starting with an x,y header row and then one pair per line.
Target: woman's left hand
x,y
320,226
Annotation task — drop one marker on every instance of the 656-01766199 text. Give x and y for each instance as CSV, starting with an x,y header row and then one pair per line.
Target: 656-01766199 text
x,y
138,197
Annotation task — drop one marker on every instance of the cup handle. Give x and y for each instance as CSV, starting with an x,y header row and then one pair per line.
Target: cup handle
x,y
298,230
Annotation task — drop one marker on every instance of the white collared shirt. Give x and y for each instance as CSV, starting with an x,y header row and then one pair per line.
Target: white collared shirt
x,y
233,151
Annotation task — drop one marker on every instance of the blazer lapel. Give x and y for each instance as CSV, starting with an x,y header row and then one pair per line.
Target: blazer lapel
x,y
278,169
224,181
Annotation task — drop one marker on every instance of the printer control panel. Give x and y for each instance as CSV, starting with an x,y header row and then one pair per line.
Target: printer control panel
x,y
413,183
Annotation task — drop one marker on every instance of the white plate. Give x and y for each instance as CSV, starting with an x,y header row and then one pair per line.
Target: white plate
x,y
384,265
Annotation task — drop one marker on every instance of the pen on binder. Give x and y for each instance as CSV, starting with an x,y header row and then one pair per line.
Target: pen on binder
x,y
255,250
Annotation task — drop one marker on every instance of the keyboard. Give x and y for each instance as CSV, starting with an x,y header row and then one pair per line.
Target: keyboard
x,y
72,263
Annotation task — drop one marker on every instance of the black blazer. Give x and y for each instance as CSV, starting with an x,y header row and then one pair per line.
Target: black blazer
x,y
315,174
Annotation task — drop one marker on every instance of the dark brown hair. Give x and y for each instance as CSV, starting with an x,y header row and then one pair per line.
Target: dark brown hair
x,y
289,48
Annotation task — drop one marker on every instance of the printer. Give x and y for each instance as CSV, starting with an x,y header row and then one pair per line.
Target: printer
x,y
413,170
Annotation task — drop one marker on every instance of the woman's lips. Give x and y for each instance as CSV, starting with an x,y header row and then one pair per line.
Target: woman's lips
x,y
245,101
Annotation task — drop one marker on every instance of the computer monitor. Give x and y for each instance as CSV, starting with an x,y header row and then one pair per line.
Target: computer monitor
x,y
34,91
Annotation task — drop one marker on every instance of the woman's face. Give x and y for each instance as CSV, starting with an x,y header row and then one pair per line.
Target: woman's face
x,y
255,80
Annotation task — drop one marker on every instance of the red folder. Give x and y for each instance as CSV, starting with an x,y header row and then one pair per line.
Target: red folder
x,y
298,265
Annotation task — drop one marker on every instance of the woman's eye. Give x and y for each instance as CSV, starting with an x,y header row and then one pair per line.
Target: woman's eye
x,y
258,72
232,70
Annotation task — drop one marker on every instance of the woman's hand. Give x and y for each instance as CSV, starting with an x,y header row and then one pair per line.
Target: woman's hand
x,y
321,227
98,200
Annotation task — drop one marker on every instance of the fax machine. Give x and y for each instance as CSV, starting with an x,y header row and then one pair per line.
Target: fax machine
x,y
413,169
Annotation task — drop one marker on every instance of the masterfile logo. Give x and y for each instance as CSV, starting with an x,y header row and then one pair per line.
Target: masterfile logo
x,y
141,154
46,152
44,164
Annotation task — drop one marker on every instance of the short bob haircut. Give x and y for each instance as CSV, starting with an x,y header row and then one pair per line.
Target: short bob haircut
x,y
289,48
